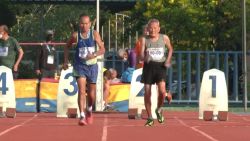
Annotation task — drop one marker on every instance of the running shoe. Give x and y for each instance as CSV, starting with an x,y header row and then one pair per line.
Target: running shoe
x,y
160,116
150,122
108,108
82,121
89,117
169,97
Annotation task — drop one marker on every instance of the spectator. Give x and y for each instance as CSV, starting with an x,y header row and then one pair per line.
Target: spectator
x,y
9,49
114,78
130,56
106,87
110,77
45,64
139,63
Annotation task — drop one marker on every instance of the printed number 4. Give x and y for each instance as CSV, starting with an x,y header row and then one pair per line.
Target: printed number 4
x,y
3,88
213,77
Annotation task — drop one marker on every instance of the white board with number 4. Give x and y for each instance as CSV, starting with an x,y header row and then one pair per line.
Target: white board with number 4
x,y
7,89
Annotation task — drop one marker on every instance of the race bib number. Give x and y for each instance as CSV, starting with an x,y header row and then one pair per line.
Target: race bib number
x,y
3,51
50,59
84,51
156,53
91,61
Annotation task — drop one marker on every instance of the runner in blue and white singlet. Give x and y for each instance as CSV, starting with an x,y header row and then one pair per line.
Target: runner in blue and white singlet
x,y
85,68
82,66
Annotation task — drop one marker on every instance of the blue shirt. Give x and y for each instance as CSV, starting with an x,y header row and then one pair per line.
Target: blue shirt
x,y
83,47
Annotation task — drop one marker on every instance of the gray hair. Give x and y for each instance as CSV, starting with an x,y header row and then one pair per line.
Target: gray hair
x,y
5,28
121,52
154,21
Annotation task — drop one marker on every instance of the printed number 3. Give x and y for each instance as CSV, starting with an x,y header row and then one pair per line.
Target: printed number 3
x,y
72,83
3,88
213,77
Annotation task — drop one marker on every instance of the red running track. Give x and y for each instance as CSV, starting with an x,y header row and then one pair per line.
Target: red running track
x,y
179,126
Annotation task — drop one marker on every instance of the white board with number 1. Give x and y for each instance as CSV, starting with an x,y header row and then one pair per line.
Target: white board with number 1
x,y
213,92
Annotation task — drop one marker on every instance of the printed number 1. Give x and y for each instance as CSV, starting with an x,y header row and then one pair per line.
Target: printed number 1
x,y
213,77
3,88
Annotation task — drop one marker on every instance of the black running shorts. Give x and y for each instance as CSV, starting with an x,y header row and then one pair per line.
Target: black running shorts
x,y
153,72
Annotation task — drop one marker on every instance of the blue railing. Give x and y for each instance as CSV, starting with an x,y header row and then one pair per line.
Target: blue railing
x,y
189,66
187,69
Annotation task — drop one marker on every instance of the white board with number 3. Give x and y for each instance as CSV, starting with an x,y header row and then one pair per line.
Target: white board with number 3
x,y
213,92
67,93
136,97
7,89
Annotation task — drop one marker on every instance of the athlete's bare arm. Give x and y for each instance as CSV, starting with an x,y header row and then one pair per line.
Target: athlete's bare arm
x,y
170,50
71,41
142,53
100,44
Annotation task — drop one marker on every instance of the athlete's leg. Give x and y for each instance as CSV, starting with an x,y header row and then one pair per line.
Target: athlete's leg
x,y
161,96
81,82
91,94
161,93
147,99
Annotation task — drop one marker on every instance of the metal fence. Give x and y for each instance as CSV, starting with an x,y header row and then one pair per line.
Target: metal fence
x,y
187,69
184,78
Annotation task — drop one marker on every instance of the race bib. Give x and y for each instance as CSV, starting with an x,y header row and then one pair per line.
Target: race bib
x,y
91,61
83,51
156,53
50,59
4,51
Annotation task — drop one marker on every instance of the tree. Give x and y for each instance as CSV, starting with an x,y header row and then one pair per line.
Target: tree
x,y
194,24
7,16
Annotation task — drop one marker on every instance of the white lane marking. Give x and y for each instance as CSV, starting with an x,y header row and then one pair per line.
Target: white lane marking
x,y
246,119
105,129
194,128
16,126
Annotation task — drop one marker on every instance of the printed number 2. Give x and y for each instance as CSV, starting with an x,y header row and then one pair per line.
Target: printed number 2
x,y
72,83
3,88
213,77
141,92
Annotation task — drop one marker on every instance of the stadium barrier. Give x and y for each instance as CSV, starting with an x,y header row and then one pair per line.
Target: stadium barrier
x,y
26,95
185,75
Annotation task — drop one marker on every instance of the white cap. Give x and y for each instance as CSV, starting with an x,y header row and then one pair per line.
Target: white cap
x,y
48,32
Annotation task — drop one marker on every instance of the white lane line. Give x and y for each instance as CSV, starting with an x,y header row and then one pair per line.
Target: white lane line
x,y
105,129
16,126
194,128
246,119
